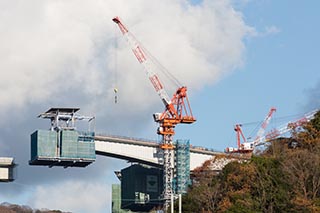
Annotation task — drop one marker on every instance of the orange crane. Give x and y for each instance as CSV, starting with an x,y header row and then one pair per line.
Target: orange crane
x,y
177,109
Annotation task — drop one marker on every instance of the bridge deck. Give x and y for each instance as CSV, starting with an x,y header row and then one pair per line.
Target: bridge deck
x,y
146,151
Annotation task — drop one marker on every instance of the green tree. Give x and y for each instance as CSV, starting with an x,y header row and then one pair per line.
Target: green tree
x,y
303,166
282,179
316,121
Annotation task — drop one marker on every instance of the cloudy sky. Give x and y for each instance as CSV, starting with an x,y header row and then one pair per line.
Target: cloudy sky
x,y
238,58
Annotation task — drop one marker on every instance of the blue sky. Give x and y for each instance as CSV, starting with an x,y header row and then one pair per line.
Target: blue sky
x,y
280,69
52,49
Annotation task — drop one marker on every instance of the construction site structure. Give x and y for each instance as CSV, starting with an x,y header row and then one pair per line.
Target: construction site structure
x,y
182,160
63,145
249,146
7,166
177,109
263,138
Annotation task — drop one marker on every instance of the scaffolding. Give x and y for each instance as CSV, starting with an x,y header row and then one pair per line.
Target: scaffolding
x,y
182,176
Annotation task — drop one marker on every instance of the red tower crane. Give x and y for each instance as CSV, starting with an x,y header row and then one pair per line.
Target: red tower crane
x,y
177,109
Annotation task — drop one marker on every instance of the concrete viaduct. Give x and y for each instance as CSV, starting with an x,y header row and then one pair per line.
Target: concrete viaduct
x,y
148,152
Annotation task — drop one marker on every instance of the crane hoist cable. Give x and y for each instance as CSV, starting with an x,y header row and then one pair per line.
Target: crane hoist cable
x,y
161,68
115,87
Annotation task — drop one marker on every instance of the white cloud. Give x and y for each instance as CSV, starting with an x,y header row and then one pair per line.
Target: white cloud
x,y
52,47
272,30
75,196
268,31
62,52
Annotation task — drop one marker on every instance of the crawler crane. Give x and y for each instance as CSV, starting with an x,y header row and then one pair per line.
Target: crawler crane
x,y
248,146
177,109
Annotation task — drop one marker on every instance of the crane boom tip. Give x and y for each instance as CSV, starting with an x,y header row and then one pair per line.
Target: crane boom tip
x,y
116,20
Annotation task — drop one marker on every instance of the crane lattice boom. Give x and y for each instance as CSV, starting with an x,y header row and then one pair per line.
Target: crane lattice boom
x,y
264,125
287,127
177,109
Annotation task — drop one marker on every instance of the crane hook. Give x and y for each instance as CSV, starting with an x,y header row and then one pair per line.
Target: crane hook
x,y
115,95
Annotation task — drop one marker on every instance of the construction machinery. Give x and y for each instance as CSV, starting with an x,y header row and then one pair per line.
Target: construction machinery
x,y
244,147
262,138
177,109
286,127
248,146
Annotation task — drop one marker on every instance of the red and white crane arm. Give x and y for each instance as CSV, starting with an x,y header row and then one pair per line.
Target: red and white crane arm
x,y
264,125
177,108
287,127
144,61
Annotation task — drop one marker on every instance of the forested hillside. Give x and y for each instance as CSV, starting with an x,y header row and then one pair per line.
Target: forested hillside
x,y
13,208
285,178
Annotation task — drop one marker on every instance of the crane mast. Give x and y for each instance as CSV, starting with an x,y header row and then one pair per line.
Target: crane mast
x,y
177,109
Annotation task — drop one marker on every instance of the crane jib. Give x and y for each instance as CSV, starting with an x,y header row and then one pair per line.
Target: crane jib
x,y
156,82
139,54
175,107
